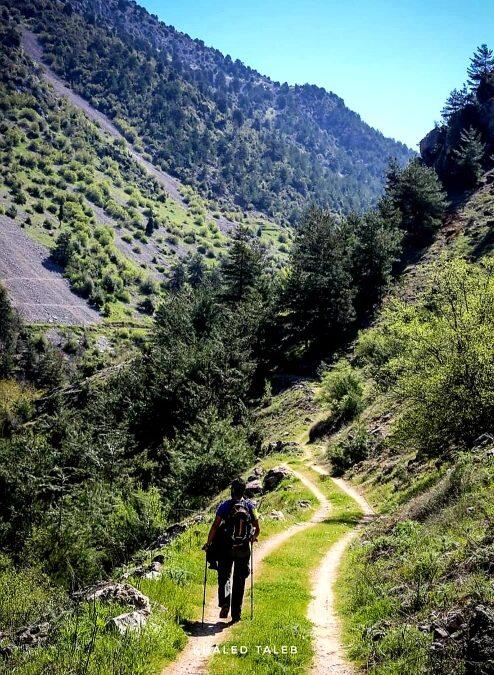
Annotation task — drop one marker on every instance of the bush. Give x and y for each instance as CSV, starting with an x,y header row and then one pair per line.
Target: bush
x,y
436,356
353,449
342,390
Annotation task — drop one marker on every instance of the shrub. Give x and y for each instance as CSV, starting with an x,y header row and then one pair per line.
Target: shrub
x,y
342,389
436,356
353,449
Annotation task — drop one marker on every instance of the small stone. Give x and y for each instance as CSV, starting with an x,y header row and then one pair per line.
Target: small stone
x,y
277,515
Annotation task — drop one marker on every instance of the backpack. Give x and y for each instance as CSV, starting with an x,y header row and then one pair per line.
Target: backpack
x,y
238,529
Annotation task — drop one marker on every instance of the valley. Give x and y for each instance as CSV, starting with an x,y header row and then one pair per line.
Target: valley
x,y
206,277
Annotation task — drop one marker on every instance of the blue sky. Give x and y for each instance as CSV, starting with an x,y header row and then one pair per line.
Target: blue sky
x,y
393,62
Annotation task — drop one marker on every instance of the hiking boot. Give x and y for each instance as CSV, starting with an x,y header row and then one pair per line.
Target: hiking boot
x,y
235,619
224,612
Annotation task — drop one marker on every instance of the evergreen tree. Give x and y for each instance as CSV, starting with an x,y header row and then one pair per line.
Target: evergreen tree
x,y
9,333
455,102
417,193
242,267
151,224
177,279
195,270
468,157
376,247
481,64
318,296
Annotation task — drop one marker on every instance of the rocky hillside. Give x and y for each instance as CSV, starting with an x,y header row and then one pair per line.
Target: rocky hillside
x,y
218,125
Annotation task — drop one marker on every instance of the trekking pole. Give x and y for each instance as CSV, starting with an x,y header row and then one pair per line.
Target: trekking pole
x,y
251,580
204,591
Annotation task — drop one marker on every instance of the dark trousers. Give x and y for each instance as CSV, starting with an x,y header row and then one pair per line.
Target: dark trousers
x,y
241,571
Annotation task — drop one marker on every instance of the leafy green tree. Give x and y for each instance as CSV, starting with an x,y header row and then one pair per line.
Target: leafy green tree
x,y
242,267
469,157
436,358
318,296
417,193
481,64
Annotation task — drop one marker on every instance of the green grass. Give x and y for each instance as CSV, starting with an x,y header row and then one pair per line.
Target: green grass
x,y
282,596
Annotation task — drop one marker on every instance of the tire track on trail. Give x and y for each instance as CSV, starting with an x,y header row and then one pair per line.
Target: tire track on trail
x,y
329,656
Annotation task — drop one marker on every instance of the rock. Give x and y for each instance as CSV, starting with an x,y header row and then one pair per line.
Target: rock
x,y
257,472
253,487
124,594
440,633
277,515
304,504
160,558
128,622
483,441
153,571
171,533
33,636
274,477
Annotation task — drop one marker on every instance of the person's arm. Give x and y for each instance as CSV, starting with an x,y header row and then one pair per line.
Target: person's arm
x,y
212,532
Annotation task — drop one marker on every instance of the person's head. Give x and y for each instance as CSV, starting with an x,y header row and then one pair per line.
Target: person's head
x,y
238,488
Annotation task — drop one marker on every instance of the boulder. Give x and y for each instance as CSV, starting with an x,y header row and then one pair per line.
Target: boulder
x,y
304,504
124,594
171,533
274,477
483,441
253,487
128,622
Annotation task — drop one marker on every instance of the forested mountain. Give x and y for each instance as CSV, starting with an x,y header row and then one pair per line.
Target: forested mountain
x,y
217,124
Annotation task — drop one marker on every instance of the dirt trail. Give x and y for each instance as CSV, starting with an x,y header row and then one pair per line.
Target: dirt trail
x,y
329,656
193,660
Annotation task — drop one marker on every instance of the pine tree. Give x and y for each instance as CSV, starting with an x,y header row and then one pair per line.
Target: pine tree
x,y
417,193
195,270
242,267
469,155
376,247
318,298
177,279
455,102
481,64
151,225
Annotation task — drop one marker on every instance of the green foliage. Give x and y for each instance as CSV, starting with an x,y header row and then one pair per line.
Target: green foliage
x,y
469,157
436,356
242,267
354,448
215,123
318,294
481,65
417,194
414,568
342,390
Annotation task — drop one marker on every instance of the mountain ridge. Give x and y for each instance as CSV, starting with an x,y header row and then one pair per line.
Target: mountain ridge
x,y
214,123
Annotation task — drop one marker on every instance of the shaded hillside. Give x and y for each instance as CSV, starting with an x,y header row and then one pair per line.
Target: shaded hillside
x,y
216,124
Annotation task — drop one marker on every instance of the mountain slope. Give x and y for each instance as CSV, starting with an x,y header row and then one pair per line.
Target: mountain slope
x,y
66,175
216,124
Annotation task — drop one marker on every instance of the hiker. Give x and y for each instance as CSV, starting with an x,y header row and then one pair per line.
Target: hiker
x,y
235,528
